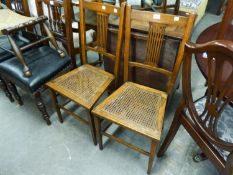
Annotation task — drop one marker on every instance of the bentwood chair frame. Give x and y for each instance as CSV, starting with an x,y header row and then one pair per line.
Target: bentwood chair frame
x,y
204,125
122,107
86,84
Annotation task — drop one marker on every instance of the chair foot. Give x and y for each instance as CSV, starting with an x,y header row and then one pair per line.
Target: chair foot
x,y
92,127
55,105
14,92
151,156
173,130
199,157
40,105
3,86
99,132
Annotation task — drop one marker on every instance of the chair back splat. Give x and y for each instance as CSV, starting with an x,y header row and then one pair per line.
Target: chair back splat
x,y
104,13
160,27
19,6
209,119
59,26
219,92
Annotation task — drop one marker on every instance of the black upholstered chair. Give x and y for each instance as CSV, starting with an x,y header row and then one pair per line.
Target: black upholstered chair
x,y
5,55
38,64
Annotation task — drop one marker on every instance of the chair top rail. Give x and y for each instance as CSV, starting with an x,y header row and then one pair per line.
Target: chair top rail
x,y
101,8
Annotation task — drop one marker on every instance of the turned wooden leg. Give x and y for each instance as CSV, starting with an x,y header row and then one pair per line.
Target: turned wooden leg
x,y
98,132
3,86
172,131
92,127
42,108
14,92
56,106
151,156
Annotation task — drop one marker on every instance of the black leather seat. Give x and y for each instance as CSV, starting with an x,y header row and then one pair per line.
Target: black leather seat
x,y
4,42
44,64
4,55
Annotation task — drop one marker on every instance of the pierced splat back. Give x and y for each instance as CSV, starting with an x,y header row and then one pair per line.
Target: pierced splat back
x,y
154,43
60,27
103,12
102,31
160,27
219,91
53,10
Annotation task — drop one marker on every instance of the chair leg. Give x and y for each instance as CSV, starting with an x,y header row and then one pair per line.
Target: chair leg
x,y
42,108
199,157
151,156
92,127
3,86
172,131
55,105
14,92
99,132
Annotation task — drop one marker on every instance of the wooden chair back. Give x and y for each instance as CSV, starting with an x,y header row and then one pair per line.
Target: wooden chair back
x,y
163,7
103,11
219,92
159,27
60,28
19,6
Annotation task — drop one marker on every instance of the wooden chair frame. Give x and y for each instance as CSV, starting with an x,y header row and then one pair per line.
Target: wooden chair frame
x,y
205,135
19,6
99,47
158,23
164,7
62,32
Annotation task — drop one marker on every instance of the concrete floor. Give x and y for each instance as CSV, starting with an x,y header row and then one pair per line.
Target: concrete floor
x,y
29,147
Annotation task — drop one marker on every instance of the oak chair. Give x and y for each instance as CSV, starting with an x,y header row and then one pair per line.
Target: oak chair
x,y
133,106
209,119
86,84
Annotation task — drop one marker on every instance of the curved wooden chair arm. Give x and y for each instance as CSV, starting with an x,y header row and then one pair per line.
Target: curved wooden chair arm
x,y
229,165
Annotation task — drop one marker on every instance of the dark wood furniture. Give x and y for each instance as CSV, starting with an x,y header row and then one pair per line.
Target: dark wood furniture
x,y
209,119
19,6
31,69
86,84
136,107
221,6
60,14
164,7
222,30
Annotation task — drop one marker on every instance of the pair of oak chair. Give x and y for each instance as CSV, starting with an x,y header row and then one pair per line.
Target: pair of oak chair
x,y
132,106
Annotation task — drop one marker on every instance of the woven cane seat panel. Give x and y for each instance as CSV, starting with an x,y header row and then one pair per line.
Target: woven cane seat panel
x,y
136,106
84,84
